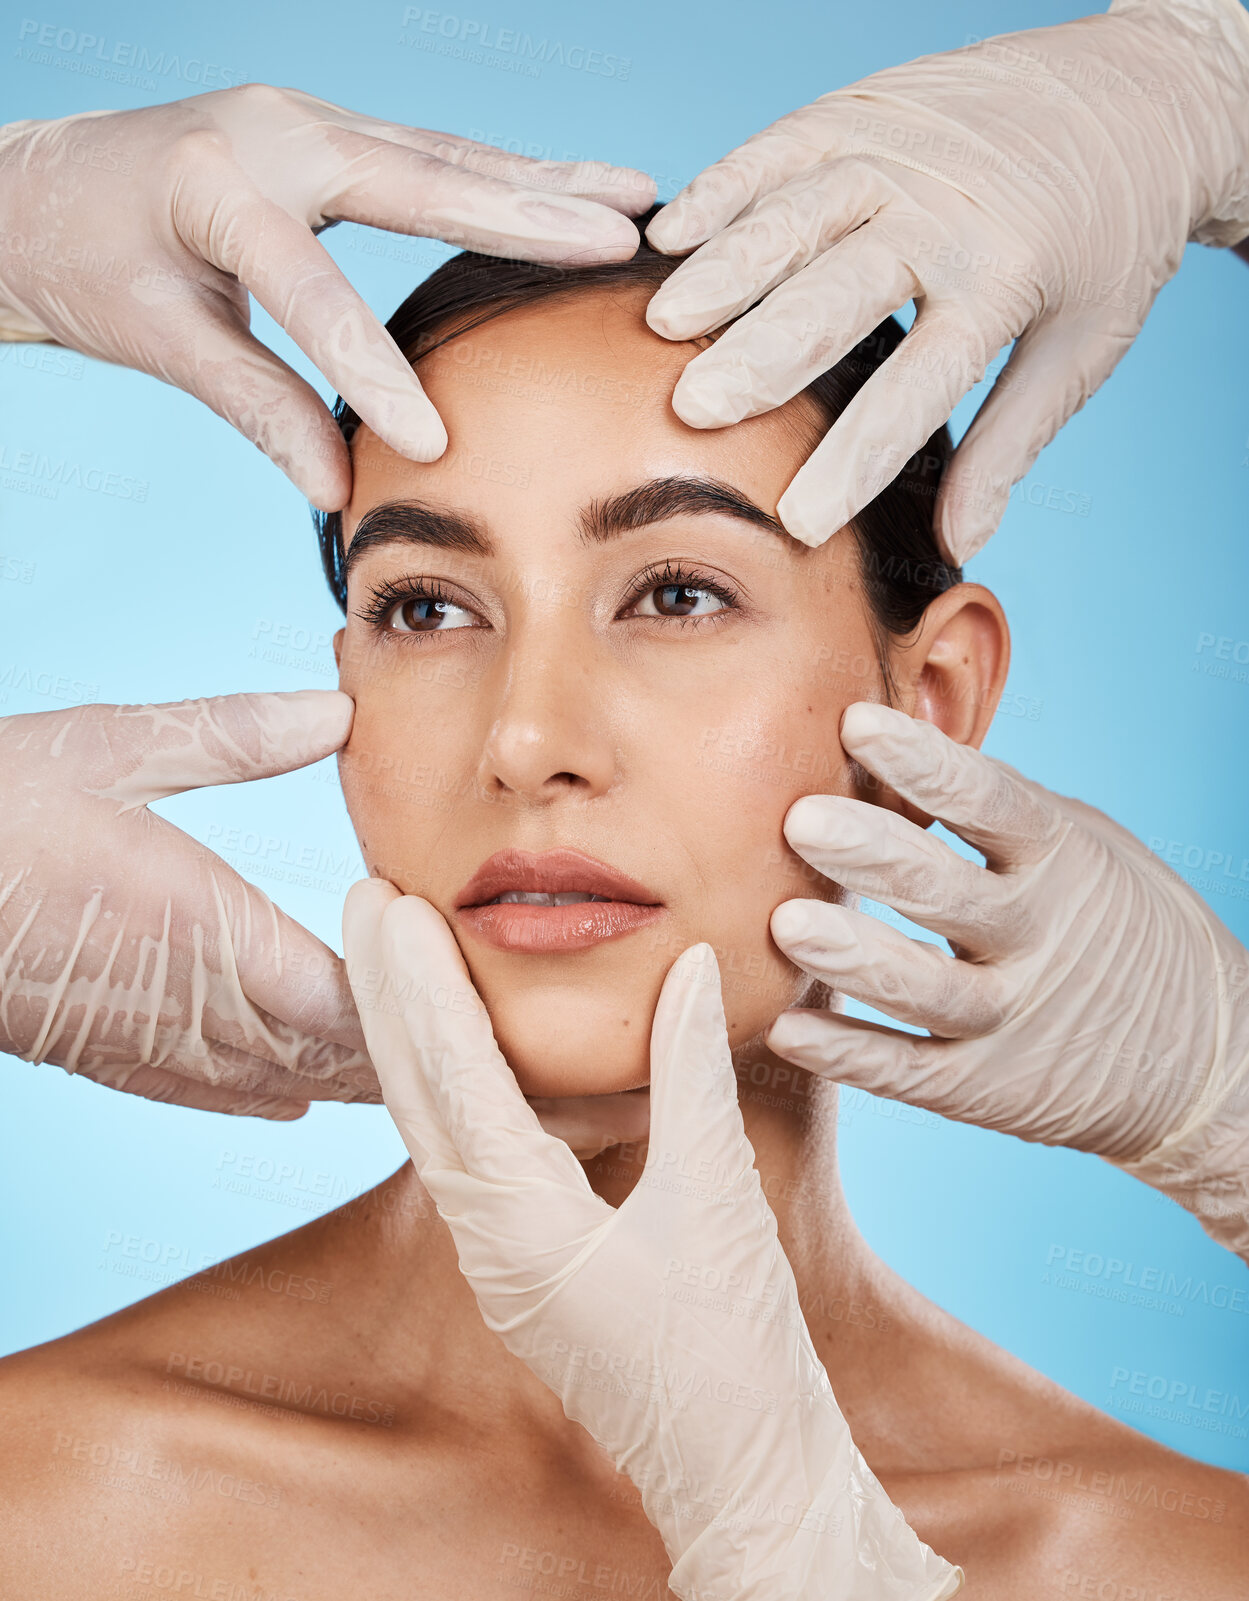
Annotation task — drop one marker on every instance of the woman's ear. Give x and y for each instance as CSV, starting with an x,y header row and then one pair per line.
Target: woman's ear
x,y
952,672
338,649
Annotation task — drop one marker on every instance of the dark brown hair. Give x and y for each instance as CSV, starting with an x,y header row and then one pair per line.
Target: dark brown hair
x,y
901,566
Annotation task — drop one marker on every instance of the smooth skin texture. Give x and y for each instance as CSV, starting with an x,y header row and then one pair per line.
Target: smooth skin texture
x,y
373,1437
557,708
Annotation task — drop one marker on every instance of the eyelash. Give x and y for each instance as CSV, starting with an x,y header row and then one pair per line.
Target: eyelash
x,y
674,575
385,596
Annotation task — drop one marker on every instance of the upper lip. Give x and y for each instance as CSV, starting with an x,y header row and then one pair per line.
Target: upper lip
x,y
551,872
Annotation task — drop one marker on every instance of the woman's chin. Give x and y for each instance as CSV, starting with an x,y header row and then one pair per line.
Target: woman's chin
x,y
547,1072
564,1040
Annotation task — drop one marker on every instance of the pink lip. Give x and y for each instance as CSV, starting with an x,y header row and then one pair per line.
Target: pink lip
x,y
554,929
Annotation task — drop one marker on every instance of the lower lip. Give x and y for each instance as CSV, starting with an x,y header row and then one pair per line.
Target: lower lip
x,y
552,930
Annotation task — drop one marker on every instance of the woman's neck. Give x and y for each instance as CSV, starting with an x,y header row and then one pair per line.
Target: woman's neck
x,y
406,1302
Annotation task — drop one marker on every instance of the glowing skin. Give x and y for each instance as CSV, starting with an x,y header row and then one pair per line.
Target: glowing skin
x,y
558,703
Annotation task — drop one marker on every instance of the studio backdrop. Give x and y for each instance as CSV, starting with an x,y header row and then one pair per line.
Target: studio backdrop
x,y
148,553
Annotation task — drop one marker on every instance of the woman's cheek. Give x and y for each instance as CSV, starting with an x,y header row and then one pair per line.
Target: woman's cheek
x,y
749,869
757,980
400,771
761,759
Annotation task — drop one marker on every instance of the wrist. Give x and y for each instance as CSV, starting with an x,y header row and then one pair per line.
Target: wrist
x,y
807,1518
1208,1176
1203,1164
1192,70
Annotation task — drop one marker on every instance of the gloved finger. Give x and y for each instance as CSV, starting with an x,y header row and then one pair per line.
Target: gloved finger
x,y
278,260
784,232
223,364
900,1067
591,1124
871,851
694,1111
282,969
203,1059
801,330
229,967
723,190
166,749
382,998
495,1132
909,979
291,1062
355,1087
981,800
1048,378
892,417
407,190
624,189
155,1084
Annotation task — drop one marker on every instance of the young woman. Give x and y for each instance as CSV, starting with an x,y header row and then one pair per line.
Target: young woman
x,y
580,647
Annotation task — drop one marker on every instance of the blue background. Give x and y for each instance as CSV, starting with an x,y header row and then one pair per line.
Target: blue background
x,y
211,584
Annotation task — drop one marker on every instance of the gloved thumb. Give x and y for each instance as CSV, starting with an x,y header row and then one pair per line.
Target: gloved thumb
x,y
384,999
693,1091
156,751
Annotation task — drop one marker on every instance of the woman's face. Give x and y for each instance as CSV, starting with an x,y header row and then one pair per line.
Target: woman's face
x,y
582,631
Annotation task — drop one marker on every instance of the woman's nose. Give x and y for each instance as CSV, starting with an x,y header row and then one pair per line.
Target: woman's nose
x,y
550,733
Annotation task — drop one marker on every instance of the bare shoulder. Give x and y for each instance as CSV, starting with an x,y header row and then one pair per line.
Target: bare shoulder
x,y
72,1426
112,1453
1109,1515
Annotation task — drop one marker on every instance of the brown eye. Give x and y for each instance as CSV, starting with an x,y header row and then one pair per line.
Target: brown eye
x,y
679,600
423,614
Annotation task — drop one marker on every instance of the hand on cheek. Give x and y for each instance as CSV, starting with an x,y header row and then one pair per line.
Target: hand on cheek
x,y
950,674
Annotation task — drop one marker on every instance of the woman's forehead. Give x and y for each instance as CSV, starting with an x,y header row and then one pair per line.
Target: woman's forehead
x,y
570,398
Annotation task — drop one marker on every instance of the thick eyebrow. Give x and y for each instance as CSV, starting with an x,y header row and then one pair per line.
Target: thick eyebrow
x,y
664,498
411,522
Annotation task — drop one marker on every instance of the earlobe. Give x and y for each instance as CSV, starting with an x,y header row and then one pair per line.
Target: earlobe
x,y
338,649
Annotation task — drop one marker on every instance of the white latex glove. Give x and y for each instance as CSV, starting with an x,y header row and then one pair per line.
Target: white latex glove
x,y
132,954
1039,187
136,236
1093,999
714,1417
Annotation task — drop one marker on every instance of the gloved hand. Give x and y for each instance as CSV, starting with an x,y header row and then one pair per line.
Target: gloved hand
x,y
1039,186
136,235
131,953
716,1414
1093,999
